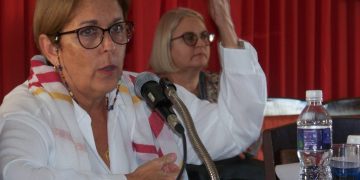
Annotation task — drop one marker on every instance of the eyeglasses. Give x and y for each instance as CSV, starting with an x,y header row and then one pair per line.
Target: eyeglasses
x,y
90,37
191,38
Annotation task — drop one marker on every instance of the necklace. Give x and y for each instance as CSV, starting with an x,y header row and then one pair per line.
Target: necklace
x,y
106,155
109,108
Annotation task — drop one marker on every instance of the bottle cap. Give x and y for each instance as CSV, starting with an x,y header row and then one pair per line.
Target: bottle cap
x,y
314,94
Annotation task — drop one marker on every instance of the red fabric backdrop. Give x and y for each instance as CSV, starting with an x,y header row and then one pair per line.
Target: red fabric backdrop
x,y
302,44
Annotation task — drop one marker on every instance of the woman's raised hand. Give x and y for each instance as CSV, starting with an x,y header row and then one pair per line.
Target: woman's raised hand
x,y
220,13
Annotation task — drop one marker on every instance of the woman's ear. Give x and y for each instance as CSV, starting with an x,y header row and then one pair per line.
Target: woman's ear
x,y
48,49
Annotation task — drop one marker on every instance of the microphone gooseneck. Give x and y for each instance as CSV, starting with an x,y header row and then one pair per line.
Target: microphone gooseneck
x,y
170,92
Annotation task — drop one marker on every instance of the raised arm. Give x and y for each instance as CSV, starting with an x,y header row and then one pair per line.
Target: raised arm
x,y
220,13
231,125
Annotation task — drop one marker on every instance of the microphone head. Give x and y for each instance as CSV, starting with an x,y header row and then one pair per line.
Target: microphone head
x,y
143,78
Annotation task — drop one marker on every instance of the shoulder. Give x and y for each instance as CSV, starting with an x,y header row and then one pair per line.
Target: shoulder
x,y
21,105
20,99
127,88
127,81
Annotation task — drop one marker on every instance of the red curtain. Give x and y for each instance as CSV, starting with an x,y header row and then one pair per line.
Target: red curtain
x,y
301,44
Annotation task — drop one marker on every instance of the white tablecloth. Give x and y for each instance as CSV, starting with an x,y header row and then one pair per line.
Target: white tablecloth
x,y
288,171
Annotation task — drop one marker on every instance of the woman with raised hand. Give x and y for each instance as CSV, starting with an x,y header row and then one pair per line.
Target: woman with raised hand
x,y
181,51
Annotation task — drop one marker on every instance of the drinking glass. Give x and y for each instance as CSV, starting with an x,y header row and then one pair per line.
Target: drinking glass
x,y
345,162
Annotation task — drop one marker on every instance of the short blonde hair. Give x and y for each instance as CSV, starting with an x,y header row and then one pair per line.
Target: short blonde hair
x,y
160,59
52,15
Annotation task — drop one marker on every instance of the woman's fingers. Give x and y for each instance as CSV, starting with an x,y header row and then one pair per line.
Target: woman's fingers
x,y
169,167
159,168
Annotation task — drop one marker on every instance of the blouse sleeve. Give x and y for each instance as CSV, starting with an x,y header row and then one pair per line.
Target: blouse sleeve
x,y
229,126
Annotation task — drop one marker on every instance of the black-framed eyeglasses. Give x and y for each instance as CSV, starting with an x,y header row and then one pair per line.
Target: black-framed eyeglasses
x,y
90,37
190,38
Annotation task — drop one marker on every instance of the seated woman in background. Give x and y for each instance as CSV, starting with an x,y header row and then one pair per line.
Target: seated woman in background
x,y
181,51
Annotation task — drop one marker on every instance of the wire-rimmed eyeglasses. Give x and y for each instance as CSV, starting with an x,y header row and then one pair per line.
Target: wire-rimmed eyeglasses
x,y
190,38
90,37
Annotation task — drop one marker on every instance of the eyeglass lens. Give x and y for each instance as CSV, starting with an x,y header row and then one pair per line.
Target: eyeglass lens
x,y
91,36
191,38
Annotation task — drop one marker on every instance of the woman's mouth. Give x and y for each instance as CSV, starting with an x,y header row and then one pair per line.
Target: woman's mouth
x,y
108,69
200,55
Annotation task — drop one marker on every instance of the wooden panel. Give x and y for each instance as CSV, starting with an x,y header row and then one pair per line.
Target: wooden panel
x,y
275,121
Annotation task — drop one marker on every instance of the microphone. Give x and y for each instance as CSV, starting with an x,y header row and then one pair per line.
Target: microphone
x,y
167,85
148,88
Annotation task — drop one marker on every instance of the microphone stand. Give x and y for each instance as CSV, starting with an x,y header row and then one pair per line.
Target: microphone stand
x,y
170,92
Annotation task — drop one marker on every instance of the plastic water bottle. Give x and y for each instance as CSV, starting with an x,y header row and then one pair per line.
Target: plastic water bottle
x,y
314,138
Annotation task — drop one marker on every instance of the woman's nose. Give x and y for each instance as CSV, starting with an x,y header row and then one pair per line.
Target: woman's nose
x,y
108,43
202,42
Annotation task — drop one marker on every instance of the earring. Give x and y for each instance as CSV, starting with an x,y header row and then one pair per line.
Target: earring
x,y
58,68
57,39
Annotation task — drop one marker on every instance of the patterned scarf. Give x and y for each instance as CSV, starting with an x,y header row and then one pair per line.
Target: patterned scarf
x,y
151,140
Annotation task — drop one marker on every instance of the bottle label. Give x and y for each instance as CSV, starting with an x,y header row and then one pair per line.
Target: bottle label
x,y
314,139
